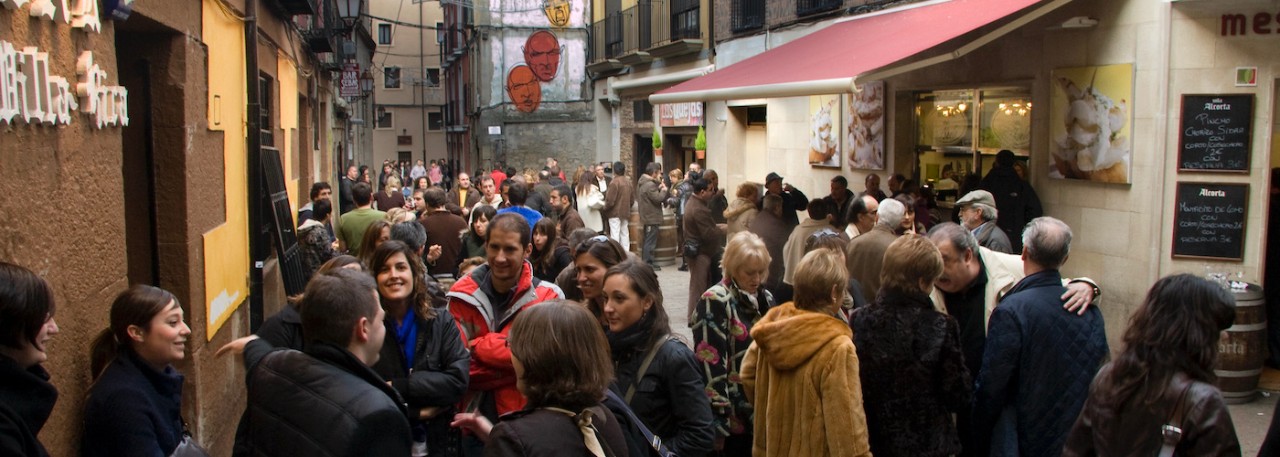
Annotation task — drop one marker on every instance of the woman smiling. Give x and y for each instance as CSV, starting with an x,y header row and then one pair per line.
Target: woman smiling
x,y
424,357
135,404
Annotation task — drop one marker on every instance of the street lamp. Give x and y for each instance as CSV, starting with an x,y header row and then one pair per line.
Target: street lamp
x,y
366,83
349,12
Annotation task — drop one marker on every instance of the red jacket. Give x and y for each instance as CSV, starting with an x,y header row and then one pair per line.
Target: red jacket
x,y
486,333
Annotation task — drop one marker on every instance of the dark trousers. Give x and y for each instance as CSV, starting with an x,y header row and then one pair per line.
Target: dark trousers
x,y
650,243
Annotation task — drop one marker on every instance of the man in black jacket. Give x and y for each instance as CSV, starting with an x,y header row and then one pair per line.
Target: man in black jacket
x,y
1016,199
327,401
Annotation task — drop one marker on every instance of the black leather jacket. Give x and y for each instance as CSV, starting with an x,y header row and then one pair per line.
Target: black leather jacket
x,y
322,402
671,398
1206,427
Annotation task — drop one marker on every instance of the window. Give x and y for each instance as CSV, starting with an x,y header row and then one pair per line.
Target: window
x,y
757,115
265,98
385,119
391,78
643,111
807,7
435,121
384,34
684,20
432,78
748,15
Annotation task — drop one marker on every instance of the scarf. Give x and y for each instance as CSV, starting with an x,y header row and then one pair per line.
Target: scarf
x,y
590,435
632,339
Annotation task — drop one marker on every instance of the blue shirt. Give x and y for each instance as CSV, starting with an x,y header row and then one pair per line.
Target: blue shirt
x,y
529,214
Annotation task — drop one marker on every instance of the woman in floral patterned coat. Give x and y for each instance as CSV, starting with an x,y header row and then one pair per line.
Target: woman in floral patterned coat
x,y
721,332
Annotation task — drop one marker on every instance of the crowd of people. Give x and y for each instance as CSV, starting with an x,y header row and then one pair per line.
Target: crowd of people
x,y
502,313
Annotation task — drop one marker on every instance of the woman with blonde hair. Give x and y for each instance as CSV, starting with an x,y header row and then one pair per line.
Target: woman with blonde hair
x,y
742,209
801,370
390,197
913,373
721,328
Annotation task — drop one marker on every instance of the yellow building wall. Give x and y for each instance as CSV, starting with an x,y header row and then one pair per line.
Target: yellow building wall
x,y
287,74
226,248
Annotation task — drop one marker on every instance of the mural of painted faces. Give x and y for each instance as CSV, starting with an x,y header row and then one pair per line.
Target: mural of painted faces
x,y
542,53
557,11
524,88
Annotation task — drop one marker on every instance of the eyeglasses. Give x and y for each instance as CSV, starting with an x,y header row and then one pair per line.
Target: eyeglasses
x,y
598,239
825,233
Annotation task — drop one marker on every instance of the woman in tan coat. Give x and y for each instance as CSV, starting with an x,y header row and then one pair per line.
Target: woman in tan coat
x,y
801,370
742,209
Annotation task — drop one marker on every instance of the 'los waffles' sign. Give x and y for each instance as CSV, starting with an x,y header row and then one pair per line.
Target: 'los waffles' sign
x,y
680,114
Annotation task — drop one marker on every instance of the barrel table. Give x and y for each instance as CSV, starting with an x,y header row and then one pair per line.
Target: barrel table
x,y
665,253
1240,351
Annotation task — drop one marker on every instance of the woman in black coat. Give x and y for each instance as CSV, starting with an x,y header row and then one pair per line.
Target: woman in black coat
x,y
134,407
562,362
913,373
424,356
669,395
26,325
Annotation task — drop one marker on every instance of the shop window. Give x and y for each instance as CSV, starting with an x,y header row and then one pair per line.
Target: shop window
x,y
391,78
757,115
385,119
643,111
384,34
958,132
435,122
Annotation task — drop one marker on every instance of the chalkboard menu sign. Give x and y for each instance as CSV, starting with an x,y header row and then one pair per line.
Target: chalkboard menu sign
x,y
1215,133
1209,220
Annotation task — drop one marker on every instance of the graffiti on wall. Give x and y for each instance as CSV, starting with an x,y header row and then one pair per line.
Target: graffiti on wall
x,y
546,64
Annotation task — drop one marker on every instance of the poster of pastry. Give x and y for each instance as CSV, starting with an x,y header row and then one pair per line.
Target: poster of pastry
x,y
824,138
1090,117
864,127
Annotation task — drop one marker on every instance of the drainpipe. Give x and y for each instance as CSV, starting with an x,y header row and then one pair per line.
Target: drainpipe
x,y
257,249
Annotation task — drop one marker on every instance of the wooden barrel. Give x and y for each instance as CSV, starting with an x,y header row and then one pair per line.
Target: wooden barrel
x,y
1240,351
637,232
665,253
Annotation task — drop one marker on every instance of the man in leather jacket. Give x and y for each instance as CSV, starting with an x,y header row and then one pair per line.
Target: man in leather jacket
x,y
326,400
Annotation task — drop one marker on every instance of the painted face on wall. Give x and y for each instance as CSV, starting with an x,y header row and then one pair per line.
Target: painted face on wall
x,y
542,53
557,12
524,89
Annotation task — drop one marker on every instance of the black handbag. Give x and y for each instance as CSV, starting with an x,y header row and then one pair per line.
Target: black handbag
x,y
691,247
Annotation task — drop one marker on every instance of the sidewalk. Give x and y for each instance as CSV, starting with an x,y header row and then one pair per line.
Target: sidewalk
x,y
1251,419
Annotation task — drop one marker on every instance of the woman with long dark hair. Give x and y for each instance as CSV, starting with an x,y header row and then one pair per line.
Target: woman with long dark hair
x,y
378,232
473,239
423,357
591,260
656,374
550,252
1163,378
590,201
135,403
26,326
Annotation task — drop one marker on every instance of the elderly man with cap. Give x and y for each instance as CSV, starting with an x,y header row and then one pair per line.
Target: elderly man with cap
x,y
978,214
792,199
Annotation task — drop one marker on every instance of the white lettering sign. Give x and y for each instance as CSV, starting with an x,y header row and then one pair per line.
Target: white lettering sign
x,y
29,93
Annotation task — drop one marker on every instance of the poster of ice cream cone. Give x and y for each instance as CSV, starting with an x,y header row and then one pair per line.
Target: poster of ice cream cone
x,y
864,127
824,134
1090,118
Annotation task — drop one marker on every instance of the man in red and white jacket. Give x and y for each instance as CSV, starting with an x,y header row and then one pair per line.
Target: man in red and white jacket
x,y
485,303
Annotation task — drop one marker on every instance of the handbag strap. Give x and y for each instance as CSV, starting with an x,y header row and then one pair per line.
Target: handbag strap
x,y
644,368
1172,431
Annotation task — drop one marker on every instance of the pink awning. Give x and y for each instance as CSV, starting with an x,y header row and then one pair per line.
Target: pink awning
x,y
829,60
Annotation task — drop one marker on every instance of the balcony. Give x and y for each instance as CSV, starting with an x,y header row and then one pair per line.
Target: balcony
x,y
680,30
811,7
748,15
